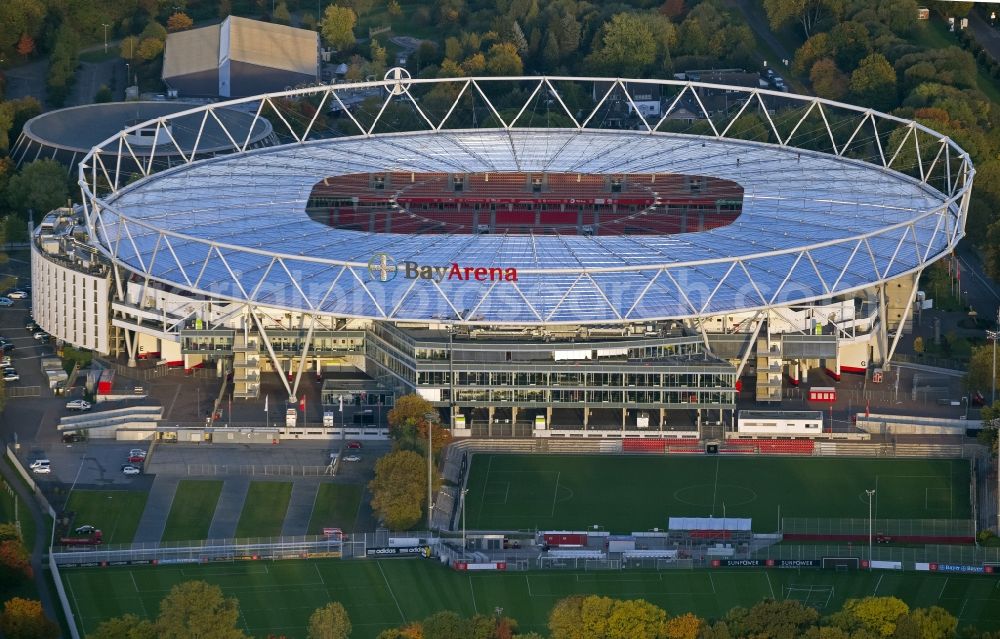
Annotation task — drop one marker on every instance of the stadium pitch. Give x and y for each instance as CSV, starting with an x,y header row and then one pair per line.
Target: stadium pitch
x,y
634,493
278,597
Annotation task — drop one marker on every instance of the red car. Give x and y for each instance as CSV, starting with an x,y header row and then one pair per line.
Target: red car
x,y
354,445
136,459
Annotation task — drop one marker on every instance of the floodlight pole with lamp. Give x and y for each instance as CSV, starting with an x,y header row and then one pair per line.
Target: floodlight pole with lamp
x,y
429,418
993,336
105,36
871,495
464,491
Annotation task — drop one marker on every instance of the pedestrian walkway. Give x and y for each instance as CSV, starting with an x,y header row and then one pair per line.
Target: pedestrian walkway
x,y
154,518
227,511
300,507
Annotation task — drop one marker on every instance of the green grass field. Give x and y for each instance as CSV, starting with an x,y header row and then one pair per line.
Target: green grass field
x,y
630,493
192,510
264,510
336,506
278,597
115,512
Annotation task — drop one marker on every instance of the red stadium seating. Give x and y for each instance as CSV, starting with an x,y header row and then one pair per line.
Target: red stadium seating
x,y
644,445
643,204
770,446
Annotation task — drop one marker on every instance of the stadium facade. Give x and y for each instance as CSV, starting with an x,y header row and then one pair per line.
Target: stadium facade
x,y
548,267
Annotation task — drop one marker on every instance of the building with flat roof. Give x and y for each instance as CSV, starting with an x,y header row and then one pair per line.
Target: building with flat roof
x,y
240,57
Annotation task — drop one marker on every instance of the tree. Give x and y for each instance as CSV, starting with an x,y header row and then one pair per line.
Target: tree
x,y
18,17
631,619
155,30
980,374
39,187
686,626
503,59
103,94
918,345
25,619
851,43
987,435
934,623
808,13
25,45
408,410
225,8
814,49
775,619
399,489
198,610
150,49
873,83
127,626
379,56
875,614
394,9
308,21
129,48
673,8
338,26
180,21
627,47
550,52
15,561
330,622
828,81
281,14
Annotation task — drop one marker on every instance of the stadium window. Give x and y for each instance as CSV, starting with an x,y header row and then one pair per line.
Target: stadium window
x,y
616,185
459,183
536,185
379,182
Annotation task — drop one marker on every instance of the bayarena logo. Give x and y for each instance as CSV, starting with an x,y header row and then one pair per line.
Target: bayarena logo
x,y
382,267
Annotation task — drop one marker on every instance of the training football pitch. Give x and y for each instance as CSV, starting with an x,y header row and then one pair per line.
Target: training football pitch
x,y
278,597
634,493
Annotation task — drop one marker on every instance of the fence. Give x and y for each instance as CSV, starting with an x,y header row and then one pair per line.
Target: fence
x,y
816,526
156,372
263,470
941,554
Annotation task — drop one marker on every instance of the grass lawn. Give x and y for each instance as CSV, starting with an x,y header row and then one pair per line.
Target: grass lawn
x,y
264,509
192,510
633,493
336,506
115,512
278,597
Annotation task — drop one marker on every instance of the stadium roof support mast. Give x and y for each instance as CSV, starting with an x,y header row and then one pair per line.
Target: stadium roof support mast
x,y
902,321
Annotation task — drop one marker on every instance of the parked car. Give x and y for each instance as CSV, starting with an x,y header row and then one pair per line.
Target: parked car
x,y
17,295
40,334
72,438
129,469
6,301
78,404
352,458
137,452
11,377
41,466
136,459
6,361
354,445
85,529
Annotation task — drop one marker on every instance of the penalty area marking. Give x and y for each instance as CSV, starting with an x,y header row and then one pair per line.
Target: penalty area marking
x,y
555,494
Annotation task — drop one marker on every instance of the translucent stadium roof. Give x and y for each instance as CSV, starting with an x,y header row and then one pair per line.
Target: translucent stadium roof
x,y
813,225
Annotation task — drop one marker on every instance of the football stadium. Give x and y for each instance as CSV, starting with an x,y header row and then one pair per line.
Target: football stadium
x,y
535,255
